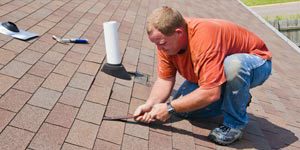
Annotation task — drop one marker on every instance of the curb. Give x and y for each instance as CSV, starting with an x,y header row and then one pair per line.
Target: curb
x,y
292,44
276,4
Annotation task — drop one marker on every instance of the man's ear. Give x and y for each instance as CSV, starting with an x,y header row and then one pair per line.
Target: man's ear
x,y
179,31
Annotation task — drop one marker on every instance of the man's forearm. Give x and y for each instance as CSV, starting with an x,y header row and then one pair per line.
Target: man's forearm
x,y
161,91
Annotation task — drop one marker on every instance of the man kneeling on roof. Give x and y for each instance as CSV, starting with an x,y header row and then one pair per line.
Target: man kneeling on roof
x,y
221,61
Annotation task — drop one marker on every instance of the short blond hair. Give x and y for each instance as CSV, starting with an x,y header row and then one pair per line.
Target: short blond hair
x,y
165,20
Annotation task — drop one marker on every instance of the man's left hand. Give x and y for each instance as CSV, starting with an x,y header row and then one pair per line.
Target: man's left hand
x,y
160,112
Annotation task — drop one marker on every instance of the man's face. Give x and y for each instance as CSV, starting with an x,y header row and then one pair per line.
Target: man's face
x,y
169,44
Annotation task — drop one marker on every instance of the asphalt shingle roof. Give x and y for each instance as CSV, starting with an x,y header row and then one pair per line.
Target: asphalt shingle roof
x,y
54,96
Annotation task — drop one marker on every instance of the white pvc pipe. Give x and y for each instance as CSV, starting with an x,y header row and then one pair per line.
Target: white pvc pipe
x,y
113,54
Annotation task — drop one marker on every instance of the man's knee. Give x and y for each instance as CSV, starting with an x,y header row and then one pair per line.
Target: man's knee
x,y
232,67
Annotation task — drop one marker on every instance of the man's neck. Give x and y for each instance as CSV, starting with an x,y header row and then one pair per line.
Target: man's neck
x,y
181,51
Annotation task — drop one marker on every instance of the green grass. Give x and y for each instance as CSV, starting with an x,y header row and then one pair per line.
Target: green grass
x,y
289,17
264,2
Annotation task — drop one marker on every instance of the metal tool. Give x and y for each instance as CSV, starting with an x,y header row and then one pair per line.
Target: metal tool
x,y
73,40
118,117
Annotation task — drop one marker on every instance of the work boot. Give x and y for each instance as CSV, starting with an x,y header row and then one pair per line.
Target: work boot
x,y
224,135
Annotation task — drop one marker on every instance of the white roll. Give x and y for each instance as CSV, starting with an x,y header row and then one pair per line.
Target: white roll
x,y
113,54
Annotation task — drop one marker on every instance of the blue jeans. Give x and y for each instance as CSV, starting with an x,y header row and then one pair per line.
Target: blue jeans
x,y
243,72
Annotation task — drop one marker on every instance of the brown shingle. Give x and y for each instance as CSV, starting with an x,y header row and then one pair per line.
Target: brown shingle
x,y
101,144
72,96
81,81
14,138
56,82
121,93
62,115
6,56
111,131
29,56
30,118
134,143
66,68
159,141
15,69
98,94
16,45
6,82
5,116
14,100
41,69
91,112
29,83
82,134
49,137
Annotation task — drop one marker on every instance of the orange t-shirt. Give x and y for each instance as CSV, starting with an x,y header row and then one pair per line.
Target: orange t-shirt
x,y
209,42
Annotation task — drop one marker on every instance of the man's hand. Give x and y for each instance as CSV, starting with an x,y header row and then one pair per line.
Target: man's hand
x,y
142,114
160,112
147,114
157,95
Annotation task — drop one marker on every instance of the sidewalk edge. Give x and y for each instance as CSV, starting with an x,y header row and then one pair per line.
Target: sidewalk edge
x,y
292,44
276,4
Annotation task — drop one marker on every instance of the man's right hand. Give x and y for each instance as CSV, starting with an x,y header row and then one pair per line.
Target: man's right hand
x,y
142,114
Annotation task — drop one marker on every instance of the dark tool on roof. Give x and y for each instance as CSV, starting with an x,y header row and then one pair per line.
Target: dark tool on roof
x,y
118,117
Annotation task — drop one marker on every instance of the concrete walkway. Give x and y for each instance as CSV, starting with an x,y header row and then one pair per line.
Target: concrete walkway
x,y
282,9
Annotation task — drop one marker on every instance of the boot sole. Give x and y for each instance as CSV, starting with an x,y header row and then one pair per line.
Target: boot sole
x,y
215,140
